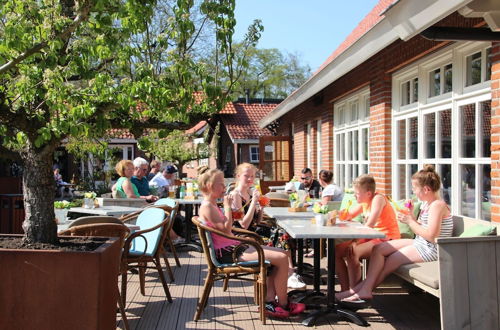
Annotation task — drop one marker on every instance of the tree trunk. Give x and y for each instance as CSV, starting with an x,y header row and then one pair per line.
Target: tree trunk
x,y
39,191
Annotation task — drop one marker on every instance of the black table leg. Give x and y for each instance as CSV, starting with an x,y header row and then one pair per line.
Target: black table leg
x,y
331,308
317,276
188,214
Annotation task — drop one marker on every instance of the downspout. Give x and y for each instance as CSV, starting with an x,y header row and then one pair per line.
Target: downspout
x,y
441,33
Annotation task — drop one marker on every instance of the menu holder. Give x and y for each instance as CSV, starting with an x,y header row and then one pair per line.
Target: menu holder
x,y
297,209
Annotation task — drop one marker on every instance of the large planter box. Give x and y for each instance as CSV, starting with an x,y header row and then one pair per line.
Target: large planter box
x,y
45,289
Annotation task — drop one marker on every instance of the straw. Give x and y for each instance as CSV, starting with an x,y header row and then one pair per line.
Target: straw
x,y
396,206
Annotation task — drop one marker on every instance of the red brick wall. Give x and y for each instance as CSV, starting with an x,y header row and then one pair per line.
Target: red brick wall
x,y
495,132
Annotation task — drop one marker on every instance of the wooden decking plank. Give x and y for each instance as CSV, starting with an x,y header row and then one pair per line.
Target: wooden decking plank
x,y
235,309
170,315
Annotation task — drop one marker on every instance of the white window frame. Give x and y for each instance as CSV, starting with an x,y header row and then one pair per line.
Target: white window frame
x,y
251,151
460,95
347,123
319,145
308,145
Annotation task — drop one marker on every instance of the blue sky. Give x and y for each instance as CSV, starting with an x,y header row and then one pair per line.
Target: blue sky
x,y
311,28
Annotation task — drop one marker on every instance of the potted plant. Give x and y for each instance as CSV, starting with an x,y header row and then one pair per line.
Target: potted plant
x,y
89,199
61,210
73,78
320,213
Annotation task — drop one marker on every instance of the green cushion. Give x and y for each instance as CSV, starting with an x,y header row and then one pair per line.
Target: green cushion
x,y
349,196
479,230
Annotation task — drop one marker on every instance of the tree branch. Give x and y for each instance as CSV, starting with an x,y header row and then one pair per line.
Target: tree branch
x,y
81,17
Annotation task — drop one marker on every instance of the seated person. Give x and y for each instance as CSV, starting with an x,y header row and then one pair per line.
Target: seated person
x,y
212,186
140,181
155,169
245,203
124,188
164,179
379,215
435,220
331,192
61,184
309,184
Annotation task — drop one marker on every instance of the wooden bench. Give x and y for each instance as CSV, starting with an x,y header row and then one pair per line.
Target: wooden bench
x,y
466,278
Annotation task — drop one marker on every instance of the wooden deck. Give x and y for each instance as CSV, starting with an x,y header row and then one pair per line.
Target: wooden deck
x,y
234,309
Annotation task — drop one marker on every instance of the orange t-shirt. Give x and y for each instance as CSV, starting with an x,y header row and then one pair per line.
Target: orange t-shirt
x,y
387,222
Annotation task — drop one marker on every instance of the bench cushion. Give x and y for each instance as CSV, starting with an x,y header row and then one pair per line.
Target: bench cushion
x,y
424,272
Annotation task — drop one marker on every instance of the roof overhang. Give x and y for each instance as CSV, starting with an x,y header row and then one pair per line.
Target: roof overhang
x,y
246,141
403,20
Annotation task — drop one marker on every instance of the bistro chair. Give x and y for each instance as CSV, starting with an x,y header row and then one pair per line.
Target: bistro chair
x,y
237,270
172,207
279,202
94,219
105,230
174,210
145,246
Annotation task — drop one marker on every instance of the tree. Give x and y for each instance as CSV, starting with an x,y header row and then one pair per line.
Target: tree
x,y
73,69
268,73
177,147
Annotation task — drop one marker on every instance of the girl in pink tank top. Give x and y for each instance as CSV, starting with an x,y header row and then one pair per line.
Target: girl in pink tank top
x,y
212,186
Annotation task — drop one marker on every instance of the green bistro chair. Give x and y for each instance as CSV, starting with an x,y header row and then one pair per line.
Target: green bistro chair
x,y
145,246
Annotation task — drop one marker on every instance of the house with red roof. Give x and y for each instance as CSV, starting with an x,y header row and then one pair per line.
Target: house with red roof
x,y
416,82
238,137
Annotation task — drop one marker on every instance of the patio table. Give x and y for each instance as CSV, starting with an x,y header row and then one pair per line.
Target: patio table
x,y
300,229
282,213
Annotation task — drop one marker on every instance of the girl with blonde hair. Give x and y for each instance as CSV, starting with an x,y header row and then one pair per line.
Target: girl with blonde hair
x,y
211,184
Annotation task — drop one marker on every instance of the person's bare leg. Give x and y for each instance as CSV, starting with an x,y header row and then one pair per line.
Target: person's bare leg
x,y
360,251
386,258
277,284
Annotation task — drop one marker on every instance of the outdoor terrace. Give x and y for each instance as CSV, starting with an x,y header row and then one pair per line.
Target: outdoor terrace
x,y
234,309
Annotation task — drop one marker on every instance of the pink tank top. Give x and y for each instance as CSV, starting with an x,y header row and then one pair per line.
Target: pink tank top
x,y
221,242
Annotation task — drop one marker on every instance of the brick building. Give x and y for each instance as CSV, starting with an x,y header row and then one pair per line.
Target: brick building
x,y
388,101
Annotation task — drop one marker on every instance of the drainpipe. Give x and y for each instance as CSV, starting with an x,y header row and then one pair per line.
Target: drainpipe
x,y
441,33
247,96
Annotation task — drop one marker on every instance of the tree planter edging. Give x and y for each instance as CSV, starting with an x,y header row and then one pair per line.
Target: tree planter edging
x,y
50,289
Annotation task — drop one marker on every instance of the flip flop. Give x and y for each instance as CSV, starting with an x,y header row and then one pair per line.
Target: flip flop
x,y
355,304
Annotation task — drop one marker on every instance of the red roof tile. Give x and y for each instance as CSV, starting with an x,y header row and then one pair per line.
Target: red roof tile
x,y
364,26
244,124
196,127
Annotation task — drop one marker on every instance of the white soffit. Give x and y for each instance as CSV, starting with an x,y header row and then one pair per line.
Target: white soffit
x,y
403,20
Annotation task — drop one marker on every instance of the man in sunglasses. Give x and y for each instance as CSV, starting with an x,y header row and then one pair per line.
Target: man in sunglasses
x,y
309,184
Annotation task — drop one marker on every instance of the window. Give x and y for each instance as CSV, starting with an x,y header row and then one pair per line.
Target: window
x,y
409,91
309,145
451,132
254,154
478,67
203,162
441,80
318,146
351,137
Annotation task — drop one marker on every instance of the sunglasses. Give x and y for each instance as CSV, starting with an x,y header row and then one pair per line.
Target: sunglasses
x,y
306,178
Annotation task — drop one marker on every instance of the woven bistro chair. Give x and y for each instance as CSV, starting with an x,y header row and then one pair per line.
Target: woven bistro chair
x,y
94,219
105,230
237,270
172,207
146,246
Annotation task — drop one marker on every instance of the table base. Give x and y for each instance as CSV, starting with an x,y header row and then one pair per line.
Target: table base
x,y
339,313
191,246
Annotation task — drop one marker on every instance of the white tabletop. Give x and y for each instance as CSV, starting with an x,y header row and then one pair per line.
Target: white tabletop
x,y
276,188
342,229
112,210
283,213
189,201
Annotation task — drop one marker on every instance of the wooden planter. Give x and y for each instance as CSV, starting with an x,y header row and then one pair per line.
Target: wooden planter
x,y
50,289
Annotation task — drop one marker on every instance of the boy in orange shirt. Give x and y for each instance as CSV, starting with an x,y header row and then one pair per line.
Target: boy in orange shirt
x,y
378,214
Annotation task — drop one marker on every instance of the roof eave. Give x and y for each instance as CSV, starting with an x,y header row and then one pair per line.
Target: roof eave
x,y
403,20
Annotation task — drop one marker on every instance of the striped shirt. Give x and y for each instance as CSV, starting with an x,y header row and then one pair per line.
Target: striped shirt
x,y
426,249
